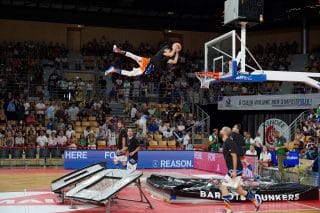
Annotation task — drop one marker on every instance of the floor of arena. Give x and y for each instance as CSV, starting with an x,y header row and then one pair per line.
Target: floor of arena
x,y
28,190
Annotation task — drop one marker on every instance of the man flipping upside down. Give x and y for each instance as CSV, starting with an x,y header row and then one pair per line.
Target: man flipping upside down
x,y
165,55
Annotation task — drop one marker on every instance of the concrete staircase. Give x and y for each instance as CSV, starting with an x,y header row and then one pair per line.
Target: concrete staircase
x,y
76,57
73,58
118,109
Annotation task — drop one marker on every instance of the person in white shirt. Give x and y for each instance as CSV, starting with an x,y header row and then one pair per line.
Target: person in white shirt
x,y
87,131
162,128
152,110
181,127
72,89
89,89
64,88
251,151
42,140
168,134
133,111
69,131
142,123
186,139
80,84
111,137
50,111
27,108
19,140
158,121
101,133
258,144
73,112
40,110
61,139
265,159
52,141
97,105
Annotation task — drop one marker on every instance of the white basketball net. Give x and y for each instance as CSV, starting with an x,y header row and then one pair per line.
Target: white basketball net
x,y
205,81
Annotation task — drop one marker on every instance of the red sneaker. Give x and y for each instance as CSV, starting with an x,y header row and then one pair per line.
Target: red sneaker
x,y
117,50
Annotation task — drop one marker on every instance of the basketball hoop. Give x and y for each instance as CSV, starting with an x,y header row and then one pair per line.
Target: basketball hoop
x,y
206,78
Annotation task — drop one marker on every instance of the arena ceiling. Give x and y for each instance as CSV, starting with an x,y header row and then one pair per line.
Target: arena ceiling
x,y
195,15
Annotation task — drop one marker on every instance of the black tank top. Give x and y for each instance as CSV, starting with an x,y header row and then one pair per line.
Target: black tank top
x,y
122,134
159,59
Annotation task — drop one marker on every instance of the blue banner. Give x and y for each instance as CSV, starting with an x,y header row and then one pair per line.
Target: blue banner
x,y
292,159
76,159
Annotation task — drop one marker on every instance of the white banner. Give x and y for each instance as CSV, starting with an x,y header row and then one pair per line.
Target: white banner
x,y
269,102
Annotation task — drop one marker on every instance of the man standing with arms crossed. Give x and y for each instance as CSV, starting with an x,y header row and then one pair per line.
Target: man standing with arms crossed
x,y
233,178
241,144
133,149
120,158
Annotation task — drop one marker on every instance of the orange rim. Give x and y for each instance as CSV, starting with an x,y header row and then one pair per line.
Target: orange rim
x,y
208,74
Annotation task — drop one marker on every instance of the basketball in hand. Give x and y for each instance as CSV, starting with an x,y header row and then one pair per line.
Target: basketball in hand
x,y
177,47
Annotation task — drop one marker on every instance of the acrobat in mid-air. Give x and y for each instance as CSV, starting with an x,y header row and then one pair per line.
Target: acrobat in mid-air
x,y
166,55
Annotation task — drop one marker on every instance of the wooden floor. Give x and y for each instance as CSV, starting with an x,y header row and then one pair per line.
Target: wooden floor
x,y
19,180
22,182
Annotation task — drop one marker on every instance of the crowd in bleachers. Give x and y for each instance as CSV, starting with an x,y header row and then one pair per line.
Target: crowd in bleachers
x,y
24,61
305,141
304,145
313,61
55,124
171,83
312,65
87,123
307,136
274,56
162,125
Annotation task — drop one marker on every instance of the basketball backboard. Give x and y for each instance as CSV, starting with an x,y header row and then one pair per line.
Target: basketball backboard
x,y
220,52
250,11
225,56
226,59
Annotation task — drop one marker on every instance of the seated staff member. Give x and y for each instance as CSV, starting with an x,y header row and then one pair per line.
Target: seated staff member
x,y
264,160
